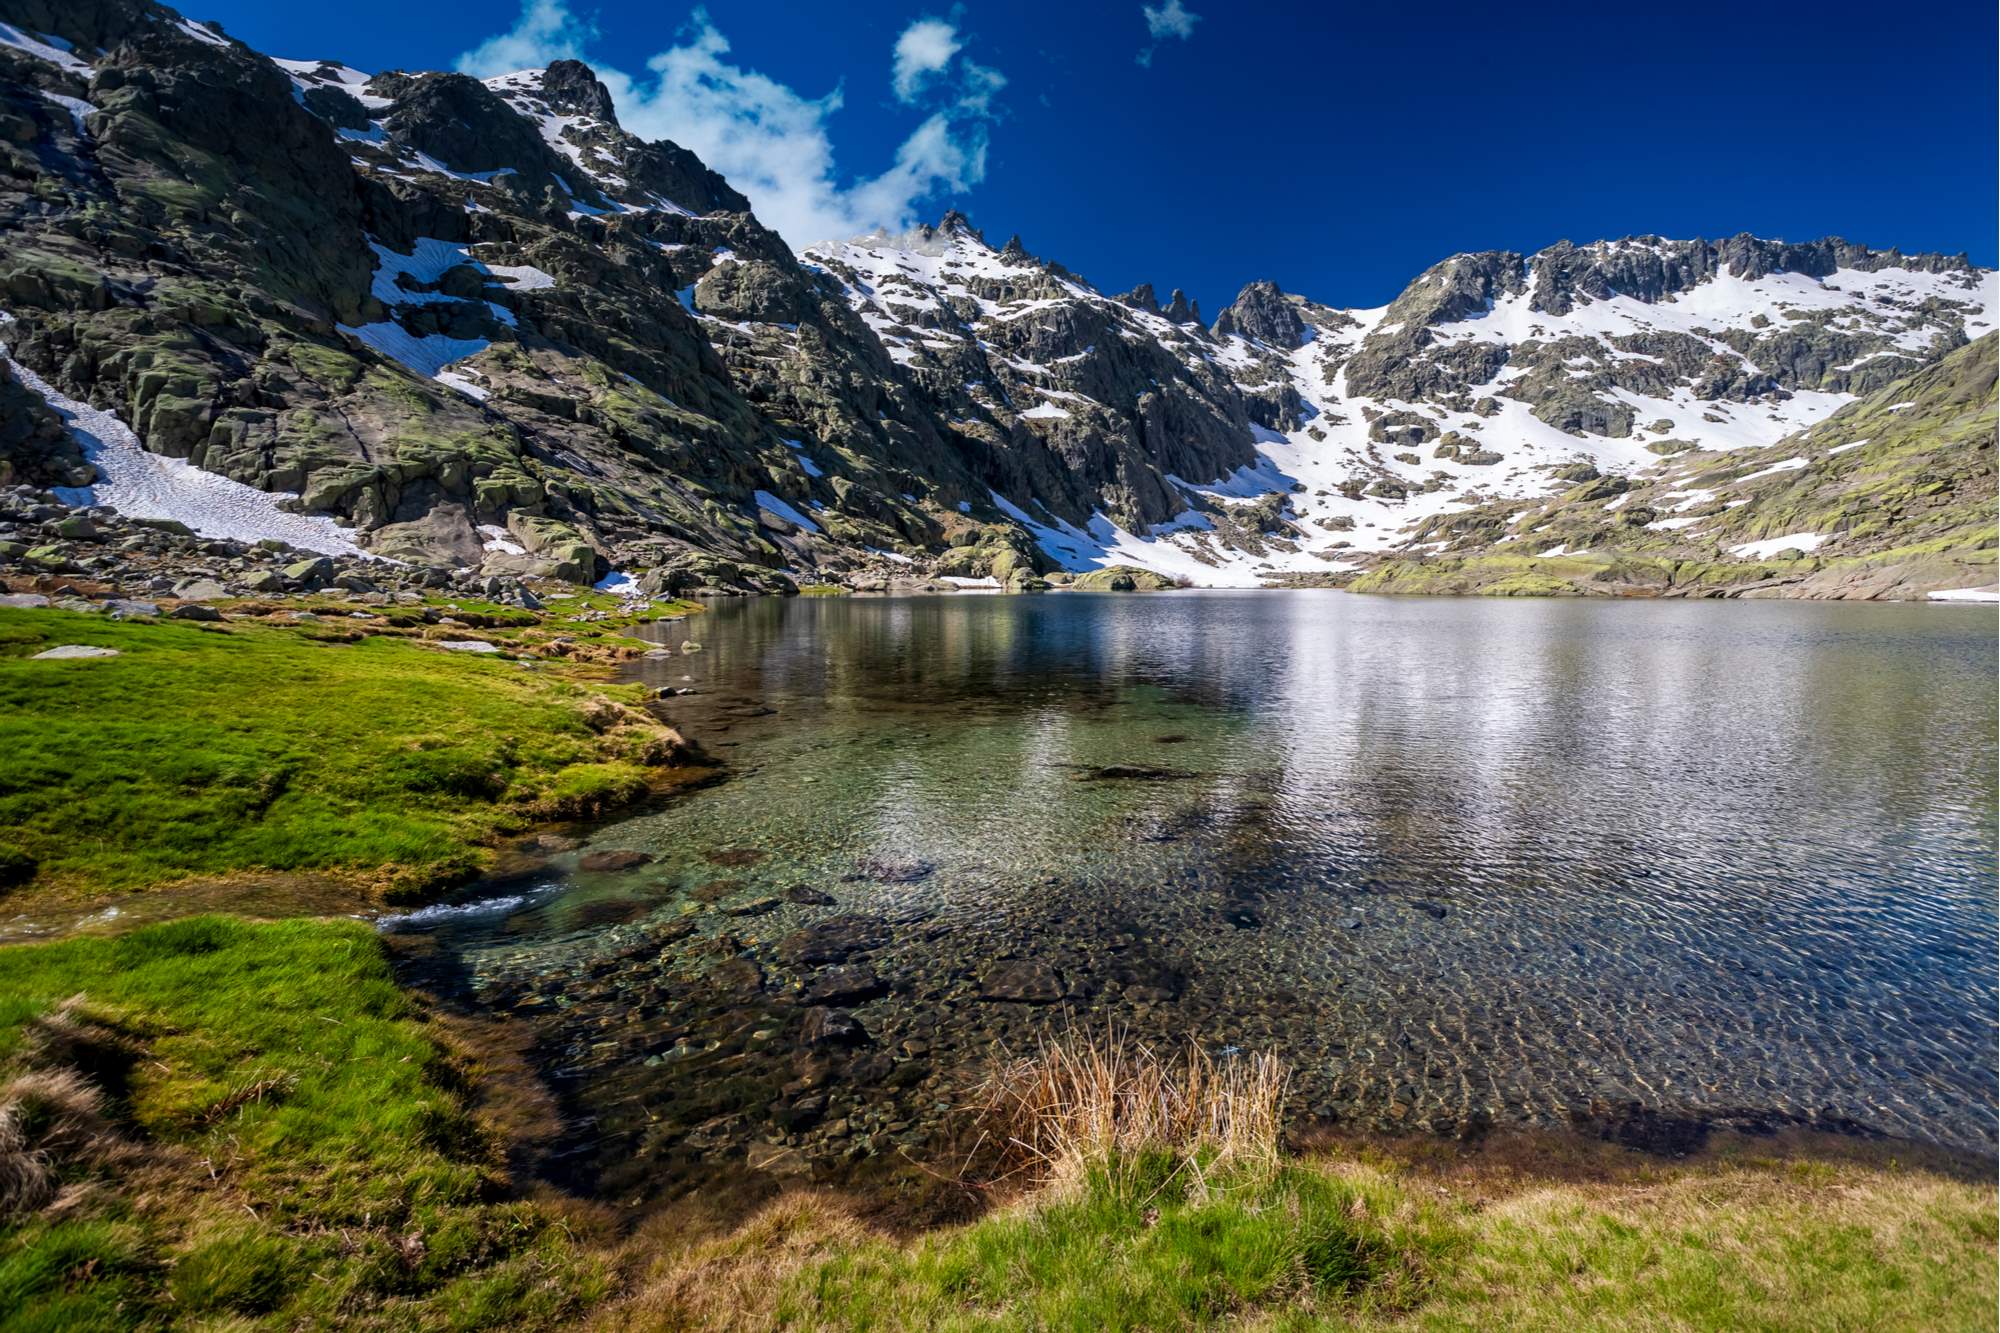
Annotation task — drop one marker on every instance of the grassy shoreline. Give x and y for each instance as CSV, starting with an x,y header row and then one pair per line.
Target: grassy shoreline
x,y
250,1126
220,1123
359,753
252,1122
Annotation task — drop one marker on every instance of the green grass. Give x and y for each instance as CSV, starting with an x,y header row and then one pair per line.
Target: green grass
x,y
300,1150
1160,1198
211,750
305,1153
1329,1244
1141,1248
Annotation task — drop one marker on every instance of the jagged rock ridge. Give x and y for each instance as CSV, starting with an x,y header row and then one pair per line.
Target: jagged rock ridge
x,y
480,323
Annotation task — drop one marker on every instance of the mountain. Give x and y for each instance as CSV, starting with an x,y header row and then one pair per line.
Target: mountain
x,y
1891,496
478,326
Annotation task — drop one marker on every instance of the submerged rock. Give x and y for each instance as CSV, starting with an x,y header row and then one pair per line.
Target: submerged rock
x,y
849,984
613,859
892,872
737,978
833,941
1024,982
735,856
1132,773
832,1027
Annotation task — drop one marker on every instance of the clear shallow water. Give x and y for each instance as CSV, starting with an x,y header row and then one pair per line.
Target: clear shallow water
x,y
1640,867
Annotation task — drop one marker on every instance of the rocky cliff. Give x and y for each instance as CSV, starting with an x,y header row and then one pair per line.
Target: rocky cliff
x,y
480,326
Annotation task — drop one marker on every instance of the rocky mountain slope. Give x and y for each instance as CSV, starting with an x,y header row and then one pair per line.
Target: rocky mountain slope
x,y
478,326
1892,496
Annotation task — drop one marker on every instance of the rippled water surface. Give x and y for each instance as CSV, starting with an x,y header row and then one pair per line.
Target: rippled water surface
x,y
1639,866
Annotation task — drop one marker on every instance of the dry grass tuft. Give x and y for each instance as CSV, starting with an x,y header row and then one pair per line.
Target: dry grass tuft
x,y
49,1118
1083,1100
730,1282
53,1114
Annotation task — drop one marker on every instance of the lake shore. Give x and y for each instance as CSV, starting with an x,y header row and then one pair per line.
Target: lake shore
x,y
321,753
260,1126
452,1116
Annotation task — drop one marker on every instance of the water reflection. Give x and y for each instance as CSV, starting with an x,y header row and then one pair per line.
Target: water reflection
x,y
1465,862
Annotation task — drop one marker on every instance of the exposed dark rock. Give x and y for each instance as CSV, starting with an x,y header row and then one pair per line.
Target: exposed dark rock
x,y
1261,312
832,1027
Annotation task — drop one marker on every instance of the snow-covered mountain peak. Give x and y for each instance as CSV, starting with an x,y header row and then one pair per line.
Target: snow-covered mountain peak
x,y
608,320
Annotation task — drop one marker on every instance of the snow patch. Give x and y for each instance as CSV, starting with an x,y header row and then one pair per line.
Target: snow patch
x,y
771,504
76,106
522,277
464,383
620,585
1770,546
1789,465
495,538
43,47
139,484
427,355
200,33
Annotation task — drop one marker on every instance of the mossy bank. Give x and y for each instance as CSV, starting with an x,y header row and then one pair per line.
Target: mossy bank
x,y
223,1124
391,758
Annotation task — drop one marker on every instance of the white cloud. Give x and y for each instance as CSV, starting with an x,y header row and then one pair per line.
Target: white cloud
x,y
1173,19
925,48
547,31
1169,20
978,86
766,139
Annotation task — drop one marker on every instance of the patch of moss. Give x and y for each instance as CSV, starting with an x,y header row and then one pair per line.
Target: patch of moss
x,y
202,751
1122,578
286,1144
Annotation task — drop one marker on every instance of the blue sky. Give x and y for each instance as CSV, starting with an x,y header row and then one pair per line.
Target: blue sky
x,y
1339,150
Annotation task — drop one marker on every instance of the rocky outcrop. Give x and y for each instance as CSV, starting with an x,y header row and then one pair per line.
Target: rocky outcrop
x,y
486,328
1892,497
1261,313
36,448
